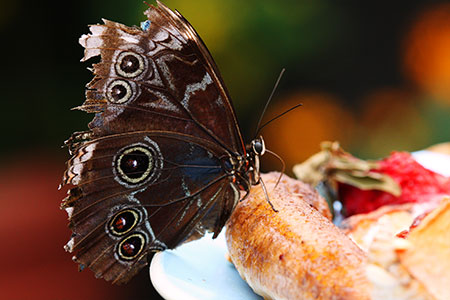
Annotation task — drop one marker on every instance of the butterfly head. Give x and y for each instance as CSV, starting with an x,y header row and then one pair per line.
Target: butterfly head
x,y
254,152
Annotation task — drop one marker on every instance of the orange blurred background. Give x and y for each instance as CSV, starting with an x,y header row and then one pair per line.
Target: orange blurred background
x,y
374,76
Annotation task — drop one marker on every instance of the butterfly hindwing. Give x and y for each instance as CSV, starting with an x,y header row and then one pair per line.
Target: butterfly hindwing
x,y
165,183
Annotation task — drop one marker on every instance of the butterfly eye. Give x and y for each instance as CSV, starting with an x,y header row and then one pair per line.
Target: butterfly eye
x,y
134,165
130,64
123,222
119,91
258,146
130,247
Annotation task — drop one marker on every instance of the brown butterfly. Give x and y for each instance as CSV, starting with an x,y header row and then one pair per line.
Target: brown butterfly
x,y
164,160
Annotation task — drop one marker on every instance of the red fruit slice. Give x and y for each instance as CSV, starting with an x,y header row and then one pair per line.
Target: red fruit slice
x,y
417,184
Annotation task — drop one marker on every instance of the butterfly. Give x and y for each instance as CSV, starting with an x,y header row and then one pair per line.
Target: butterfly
x,y
163,160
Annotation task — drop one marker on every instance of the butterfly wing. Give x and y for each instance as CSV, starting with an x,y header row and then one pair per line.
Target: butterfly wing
x,y
156,76
148,174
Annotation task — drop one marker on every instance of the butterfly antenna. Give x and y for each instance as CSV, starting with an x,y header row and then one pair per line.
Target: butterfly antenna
x,y
258,129
283,168
267,195
280,115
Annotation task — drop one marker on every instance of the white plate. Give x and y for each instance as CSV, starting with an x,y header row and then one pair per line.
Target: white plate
x,y
436,162
200,271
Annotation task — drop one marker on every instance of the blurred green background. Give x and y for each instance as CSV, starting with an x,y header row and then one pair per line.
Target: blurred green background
x,y
373,75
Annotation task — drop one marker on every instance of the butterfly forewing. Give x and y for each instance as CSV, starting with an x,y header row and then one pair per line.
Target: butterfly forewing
x,y
178,88
150,172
